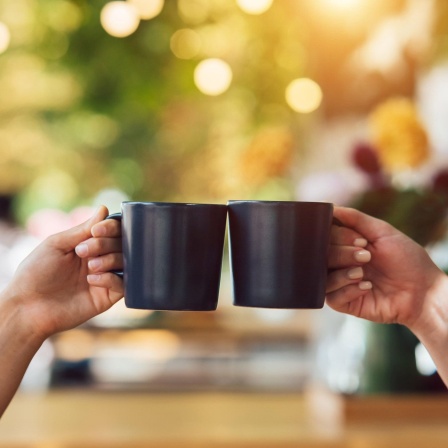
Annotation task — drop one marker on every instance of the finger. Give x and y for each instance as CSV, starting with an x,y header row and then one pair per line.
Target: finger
x,y
343,236
107,228
371,228
70,238
346,256
343,277
109,262
95,247
109,281
348,298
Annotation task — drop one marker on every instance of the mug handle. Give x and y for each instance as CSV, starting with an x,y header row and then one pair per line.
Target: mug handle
x,y
117,216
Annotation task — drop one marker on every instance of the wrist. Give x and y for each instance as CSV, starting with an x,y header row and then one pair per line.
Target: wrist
x,y
431,327
16,322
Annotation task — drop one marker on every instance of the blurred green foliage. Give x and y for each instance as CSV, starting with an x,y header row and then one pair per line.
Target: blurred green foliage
x,y
83,110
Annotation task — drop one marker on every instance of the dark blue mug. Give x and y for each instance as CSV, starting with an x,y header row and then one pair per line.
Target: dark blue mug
x,y
279,253
172,254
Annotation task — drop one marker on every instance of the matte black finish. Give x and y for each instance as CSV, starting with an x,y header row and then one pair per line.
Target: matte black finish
x,y
172,255
278,253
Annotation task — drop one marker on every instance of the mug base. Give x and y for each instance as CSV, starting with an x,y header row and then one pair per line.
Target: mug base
x,y
276,307
169,309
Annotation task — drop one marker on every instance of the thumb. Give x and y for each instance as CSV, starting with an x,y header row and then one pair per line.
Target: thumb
x,y
368,226
69,239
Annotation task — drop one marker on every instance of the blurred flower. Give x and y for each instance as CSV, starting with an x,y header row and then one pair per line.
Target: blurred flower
x,y
267,156
399,135
46,222
366,158
400,146
80,215
440,181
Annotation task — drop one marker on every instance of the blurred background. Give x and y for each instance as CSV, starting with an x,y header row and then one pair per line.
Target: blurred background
x,y
211,100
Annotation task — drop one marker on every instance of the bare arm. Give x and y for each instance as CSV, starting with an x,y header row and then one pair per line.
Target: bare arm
x,y
432,328
406,286
18,345
54,289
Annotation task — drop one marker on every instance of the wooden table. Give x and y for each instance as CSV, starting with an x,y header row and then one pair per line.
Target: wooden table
x,y
75,419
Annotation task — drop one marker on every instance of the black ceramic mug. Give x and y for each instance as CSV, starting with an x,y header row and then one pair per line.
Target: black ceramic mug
x,y
172,254
278,253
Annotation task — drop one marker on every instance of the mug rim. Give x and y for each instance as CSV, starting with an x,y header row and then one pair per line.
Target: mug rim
x,y
167,204
257,201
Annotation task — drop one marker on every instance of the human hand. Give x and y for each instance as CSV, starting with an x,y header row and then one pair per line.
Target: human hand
x,y
398,283
65,280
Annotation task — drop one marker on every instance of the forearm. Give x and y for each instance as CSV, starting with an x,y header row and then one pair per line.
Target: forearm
x,y
432,328
18,345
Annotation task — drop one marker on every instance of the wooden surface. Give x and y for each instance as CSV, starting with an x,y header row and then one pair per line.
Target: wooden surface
x,y
326,407
78,419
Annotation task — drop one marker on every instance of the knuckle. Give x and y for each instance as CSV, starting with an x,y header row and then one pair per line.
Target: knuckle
x,y
94,245
99,245
112,261
52,240
113,227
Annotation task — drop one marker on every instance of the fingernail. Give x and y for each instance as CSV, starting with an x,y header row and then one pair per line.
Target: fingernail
x,y
365,285
360,242
82,249
362,256
355,273
94,263
93,278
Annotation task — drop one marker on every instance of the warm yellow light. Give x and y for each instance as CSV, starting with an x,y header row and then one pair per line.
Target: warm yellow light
x,y
254,6
303,95
193,11
213,76
5,37
185,43
119,19
342,3
148,9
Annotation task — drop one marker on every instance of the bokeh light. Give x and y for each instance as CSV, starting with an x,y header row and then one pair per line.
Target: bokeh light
x,y
148,9
193,11
304,95
64,16
119,19
425,364
213,76
185,43
111,198
5,37
254,6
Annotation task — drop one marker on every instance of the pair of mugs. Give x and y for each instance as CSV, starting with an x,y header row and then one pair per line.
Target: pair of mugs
x,y
173,253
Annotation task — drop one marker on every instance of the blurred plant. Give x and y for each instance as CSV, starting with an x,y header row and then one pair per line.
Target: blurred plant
x,y
396,192
87,106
